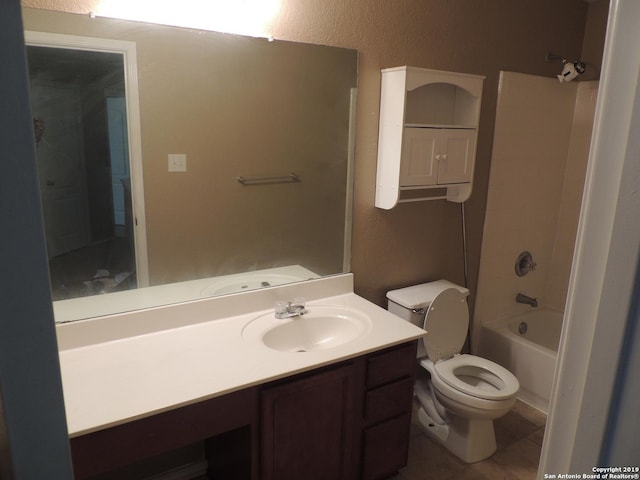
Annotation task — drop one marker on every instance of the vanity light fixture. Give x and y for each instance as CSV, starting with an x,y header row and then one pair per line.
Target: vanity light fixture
x,y
245,17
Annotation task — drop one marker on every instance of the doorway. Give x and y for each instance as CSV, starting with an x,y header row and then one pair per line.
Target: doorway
x,y
80,110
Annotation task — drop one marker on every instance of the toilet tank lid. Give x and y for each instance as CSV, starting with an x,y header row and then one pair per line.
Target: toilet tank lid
x,y
421,296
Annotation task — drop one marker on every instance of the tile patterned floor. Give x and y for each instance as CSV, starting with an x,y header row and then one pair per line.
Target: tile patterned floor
x,y
519,438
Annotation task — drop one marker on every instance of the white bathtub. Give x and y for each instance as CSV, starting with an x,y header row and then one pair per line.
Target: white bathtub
x,y
530,356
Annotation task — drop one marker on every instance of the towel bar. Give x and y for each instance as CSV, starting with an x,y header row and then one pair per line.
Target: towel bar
x,y
292,177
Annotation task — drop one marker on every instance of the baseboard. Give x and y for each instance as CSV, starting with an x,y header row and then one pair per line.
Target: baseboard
x,y
188,471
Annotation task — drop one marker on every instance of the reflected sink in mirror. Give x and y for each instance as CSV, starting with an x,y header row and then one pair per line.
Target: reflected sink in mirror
x,y
129,300
321,328
256,280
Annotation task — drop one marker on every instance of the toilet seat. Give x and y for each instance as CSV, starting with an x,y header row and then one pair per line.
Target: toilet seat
x,y
446,322
494,382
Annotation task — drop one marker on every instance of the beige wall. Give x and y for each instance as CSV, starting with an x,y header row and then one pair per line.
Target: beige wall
x,y
594,33
235,106
527,218
540,150
421,241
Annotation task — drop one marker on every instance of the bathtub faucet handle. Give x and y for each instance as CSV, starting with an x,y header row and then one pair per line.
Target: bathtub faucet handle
x,y
525,264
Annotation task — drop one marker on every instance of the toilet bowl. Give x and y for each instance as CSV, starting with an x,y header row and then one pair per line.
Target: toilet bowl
x,y
464,393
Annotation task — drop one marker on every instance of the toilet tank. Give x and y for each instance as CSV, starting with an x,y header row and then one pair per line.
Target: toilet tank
x,y
410,303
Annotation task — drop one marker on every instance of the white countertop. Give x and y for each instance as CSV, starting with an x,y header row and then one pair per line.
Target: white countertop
x,y
119,380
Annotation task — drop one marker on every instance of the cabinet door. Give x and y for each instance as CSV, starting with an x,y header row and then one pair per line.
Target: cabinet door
x,y
307,428
420,152
457,154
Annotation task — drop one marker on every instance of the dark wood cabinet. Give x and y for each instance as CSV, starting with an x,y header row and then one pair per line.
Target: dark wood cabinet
x,y
385,447
123,445
308,427
387,411
341,422
349,422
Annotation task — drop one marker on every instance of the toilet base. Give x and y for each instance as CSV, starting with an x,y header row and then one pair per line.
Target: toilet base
x,y
471,440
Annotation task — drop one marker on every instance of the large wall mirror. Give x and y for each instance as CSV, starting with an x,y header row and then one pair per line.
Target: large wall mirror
x,y
177,164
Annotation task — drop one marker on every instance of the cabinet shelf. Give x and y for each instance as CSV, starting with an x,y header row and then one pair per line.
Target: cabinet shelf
x,y
427,135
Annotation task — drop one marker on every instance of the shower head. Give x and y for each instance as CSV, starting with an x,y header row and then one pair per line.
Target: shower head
x,y
570,70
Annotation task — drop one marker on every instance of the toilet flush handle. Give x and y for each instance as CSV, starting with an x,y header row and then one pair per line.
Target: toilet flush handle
x,y
419,311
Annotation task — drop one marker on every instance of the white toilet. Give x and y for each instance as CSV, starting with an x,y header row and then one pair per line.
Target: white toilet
x,y
464,393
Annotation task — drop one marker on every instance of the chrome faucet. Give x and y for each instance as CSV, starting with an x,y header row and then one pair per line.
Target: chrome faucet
x,y
293,308
527,300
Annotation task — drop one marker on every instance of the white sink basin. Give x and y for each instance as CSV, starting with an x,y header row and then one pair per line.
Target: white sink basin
x,y
322,327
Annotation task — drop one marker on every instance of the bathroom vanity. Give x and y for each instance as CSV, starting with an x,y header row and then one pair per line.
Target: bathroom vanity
x,y
174,376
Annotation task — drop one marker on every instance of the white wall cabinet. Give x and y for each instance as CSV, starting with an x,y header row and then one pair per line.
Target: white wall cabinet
x,y
427,137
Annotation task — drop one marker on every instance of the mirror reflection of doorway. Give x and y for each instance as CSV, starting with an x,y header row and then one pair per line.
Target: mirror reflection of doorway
x,y
79,109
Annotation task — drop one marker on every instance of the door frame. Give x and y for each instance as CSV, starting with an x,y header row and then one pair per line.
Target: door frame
x,y
128,51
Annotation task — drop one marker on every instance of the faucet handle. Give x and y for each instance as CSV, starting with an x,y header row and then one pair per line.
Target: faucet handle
x,y
281,307
298,302
292,308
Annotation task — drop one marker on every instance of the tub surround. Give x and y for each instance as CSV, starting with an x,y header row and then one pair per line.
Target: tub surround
x,y
541,144
125,367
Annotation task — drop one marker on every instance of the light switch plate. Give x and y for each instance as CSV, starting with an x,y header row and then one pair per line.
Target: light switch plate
x,y
177,162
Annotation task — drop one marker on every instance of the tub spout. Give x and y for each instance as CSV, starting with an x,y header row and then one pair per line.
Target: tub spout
x,y
522,298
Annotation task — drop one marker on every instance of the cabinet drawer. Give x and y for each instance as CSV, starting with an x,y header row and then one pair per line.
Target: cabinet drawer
x,y
385,448
391,364
388,400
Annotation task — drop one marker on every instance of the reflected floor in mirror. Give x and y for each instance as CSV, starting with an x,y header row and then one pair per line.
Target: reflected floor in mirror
x,y
518,435
101,267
